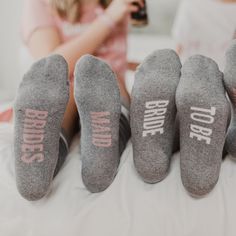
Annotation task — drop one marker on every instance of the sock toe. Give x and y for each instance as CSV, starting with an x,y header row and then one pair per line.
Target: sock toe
x,y
89,67
53,68
165,59
198,66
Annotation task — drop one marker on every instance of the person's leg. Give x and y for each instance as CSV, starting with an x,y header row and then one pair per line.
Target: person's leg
x,y
230,85
203,115
39,109
70,121
70,126
97,98
123,91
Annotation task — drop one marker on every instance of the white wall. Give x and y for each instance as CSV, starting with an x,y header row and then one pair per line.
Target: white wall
x,y
9,43
161,16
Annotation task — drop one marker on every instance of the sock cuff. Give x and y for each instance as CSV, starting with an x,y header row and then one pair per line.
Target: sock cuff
x,y
125,107
65,139
124,130
125,112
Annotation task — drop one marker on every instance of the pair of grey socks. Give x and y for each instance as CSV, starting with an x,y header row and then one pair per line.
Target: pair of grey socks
x,y
41,146
196,92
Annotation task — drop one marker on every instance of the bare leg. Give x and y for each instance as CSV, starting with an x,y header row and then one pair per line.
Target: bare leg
x,y
70,120
124,129
123,91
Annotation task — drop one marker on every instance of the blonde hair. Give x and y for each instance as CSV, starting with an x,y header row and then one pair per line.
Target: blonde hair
x,y
70,9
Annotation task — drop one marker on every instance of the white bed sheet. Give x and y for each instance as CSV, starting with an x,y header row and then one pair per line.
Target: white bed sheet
x,y
129,207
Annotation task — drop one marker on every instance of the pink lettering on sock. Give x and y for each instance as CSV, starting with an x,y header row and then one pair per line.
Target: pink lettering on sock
x,y
28,159
33,136
34,124
32,148
101,131
34,114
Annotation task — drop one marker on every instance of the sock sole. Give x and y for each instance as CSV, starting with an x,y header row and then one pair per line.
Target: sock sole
x,y
153,113
203,113
98,100
39,108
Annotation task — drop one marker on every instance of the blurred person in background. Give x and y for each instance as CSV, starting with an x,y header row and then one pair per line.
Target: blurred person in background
x,y
205,27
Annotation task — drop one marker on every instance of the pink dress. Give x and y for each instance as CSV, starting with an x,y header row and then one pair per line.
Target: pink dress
x,y
37,14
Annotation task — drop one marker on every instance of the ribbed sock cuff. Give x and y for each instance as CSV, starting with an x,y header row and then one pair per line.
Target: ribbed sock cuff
x,y
125,107
65,139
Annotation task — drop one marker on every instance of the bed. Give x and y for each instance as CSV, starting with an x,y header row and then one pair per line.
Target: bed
x,y
129,207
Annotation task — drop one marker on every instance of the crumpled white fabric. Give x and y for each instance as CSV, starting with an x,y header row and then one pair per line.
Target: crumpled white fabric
x,y
129,207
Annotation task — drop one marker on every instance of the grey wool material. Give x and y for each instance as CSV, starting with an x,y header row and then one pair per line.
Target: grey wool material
x,y
153,113
39,109
230,85
203,112
97,97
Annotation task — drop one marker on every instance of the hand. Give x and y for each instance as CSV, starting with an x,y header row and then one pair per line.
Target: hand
x,y
118,9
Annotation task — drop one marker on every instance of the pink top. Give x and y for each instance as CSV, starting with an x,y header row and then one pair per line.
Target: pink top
x,y
37,14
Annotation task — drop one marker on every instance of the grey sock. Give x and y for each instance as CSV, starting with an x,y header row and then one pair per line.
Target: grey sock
x,y
98,100
153,113
203,113
39,108
230,85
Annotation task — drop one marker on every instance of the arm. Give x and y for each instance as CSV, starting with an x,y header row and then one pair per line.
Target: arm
x,y
47,40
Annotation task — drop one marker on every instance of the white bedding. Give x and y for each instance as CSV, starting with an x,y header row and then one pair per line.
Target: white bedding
x,y
128,207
